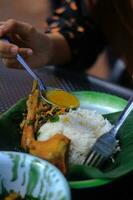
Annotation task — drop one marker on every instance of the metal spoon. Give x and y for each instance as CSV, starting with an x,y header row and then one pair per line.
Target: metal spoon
x,y
42,87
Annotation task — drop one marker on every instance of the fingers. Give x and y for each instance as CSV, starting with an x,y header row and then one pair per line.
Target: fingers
x,y
11,63
8,50
25,30
25,52
12,26
2,22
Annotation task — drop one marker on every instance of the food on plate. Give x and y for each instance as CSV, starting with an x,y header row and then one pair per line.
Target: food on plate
x,y
15,196
81,126
11,196
55,150
60,135
37,113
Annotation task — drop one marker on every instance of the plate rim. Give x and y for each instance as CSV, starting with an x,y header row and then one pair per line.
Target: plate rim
x,y
113,98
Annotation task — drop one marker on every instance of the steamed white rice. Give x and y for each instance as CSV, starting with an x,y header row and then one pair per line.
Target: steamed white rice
x,y
82,127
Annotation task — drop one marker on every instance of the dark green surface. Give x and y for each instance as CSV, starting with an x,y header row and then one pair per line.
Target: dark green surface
x,y
10,127
123,160
10,138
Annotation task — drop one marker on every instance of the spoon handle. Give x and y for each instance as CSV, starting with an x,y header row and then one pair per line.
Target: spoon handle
x,y
28,69
32,73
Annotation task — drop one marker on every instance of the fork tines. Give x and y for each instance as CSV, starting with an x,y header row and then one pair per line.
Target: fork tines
x,y
94,159
104,147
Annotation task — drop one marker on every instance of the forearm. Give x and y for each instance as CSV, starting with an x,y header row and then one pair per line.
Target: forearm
x,y
60,52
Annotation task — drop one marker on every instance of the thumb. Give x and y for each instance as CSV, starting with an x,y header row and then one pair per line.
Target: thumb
x,y
24,30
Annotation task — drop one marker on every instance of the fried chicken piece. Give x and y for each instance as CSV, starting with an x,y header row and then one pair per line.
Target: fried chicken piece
x,y
28,128
55,150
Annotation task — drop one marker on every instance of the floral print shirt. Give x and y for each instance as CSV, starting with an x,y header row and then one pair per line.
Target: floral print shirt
x,y
85,39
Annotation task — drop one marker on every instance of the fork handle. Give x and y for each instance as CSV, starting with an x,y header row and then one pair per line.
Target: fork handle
x,y
123,116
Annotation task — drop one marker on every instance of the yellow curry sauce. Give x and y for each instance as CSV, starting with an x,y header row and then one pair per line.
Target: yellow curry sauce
x,y
62,98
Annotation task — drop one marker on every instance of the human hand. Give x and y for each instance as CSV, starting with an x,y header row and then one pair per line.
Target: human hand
x,y
34,46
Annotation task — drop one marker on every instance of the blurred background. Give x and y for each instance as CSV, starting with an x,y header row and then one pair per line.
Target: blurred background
x,y
107,66
32,11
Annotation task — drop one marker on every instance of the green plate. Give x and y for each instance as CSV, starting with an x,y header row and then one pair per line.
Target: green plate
x,y
103,103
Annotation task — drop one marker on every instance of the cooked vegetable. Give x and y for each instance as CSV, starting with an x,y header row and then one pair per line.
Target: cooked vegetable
x,y
55,149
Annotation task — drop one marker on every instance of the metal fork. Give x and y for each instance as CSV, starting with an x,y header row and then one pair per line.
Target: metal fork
x,y
108,144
